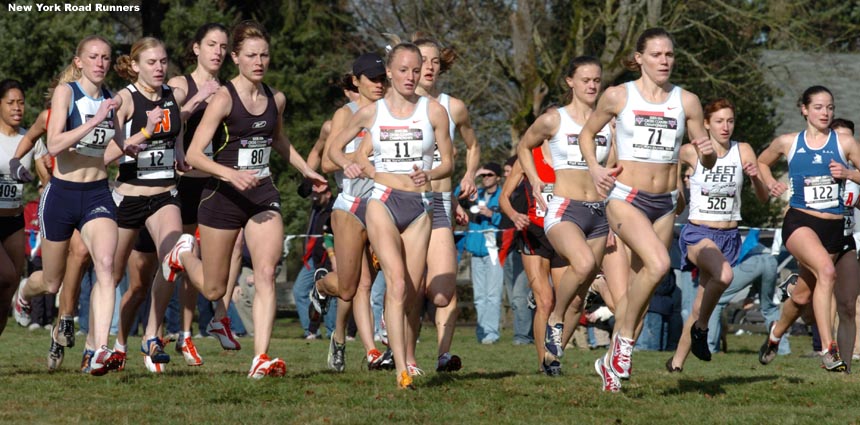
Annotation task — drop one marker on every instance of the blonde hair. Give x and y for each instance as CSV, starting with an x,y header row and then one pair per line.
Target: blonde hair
x,y
123,63
71,72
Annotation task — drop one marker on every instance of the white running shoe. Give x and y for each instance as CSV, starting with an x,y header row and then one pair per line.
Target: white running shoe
x,y
172,264
262,366
221,330
22,308
154,367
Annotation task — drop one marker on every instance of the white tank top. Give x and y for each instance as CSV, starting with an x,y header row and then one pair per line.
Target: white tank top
x,y
650,132
360,187
445,101
715,194
398,144
564,145
11,191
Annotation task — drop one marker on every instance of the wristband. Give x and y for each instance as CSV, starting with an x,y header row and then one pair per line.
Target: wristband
x,y
145,133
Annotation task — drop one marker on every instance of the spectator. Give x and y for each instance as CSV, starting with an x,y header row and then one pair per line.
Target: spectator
x,y
487,273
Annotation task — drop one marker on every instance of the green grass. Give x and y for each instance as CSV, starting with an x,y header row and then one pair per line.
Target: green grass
x,y
498,384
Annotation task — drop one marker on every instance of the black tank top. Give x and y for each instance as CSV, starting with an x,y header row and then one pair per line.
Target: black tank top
x,y
248,144
194,119
153,166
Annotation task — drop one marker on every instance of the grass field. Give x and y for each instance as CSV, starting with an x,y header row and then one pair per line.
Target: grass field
x,y
498,384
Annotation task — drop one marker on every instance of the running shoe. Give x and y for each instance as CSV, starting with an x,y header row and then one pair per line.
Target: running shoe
x,y
553,368
262,366
552,340
783,290
387,362
22,308
768,350
189,351
374,357
336,355
319,301
85,360
620,360
221,329
414,370
172,264
154,349
55,355
120,357
103,361
832,361
699,343
671,368
154,367
611,382
65,332
448,362
404,382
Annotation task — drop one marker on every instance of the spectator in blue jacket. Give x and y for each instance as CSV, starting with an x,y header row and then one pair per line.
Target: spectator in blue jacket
x,y
487,274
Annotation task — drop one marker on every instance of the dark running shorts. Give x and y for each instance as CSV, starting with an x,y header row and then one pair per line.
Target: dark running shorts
x,y
66,206
224,207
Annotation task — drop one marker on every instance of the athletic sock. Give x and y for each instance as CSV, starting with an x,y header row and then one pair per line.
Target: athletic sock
x,y
773,339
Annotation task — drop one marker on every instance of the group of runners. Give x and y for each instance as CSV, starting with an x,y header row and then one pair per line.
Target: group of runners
x,y
602,171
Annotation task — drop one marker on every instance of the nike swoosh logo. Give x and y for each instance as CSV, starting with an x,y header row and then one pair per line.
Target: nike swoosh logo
x,y
415,121
671,107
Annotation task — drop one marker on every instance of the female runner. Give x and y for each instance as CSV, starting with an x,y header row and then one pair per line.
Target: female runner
x,y
710,240
145,190
540,260
80,178
403,130
813,227
13,173
575,222
242,193
651,116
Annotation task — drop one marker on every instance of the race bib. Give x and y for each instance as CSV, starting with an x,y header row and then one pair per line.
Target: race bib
x,y
820,192
156,162
654,136
94,143
719,205
546,194
10,192
254,154
574,152
400,149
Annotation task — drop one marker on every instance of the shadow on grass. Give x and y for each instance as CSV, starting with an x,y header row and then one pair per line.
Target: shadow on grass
x,y
441,379
715,387
742,351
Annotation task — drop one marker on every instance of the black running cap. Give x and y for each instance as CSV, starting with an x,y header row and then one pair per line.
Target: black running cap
x,y
368,64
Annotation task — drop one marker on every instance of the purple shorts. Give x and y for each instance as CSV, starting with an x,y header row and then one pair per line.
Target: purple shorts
x,y
727,240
